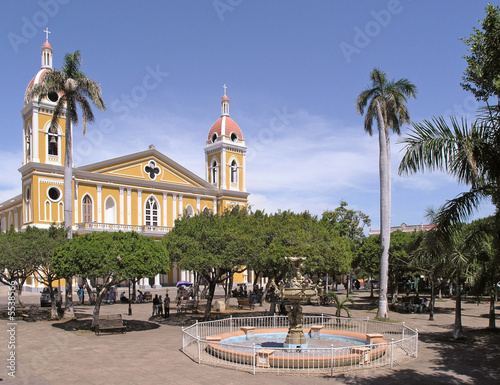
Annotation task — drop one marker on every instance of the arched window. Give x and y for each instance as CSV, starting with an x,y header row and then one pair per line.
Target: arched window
x,y
151,212
27,205
87,209
28,142
53,141
110,210
214,172
189,211
234,172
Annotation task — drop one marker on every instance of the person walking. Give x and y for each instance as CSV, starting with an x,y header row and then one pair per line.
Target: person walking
x,y
166,302
160,306
156,302
81,294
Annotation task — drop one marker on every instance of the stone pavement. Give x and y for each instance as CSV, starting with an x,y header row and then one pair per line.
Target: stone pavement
x,y
46,354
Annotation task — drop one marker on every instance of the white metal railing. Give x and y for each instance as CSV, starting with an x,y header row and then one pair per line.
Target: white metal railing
x,y
95,226
401,343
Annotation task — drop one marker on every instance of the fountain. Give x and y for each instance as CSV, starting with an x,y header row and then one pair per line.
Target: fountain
x,y
295,289
318,342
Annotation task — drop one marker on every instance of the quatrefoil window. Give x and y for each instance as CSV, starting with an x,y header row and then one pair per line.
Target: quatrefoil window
x,y
152,170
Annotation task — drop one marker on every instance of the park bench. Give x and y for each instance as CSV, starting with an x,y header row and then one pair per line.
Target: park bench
x,y
32,314
109,322
245,302
188,305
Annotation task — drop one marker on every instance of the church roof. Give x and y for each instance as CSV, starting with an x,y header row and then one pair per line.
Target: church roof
x,y
225,126
37,79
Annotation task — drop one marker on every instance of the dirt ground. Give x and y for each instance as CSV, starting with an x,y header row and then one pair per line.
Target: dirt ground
x,y
46,348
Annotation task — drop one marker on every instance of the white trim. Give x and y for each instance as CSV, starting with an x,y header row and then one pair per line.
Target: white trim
x,y
129,206
92,211
122,213
158,211
139,208
106,209
99,203
165,223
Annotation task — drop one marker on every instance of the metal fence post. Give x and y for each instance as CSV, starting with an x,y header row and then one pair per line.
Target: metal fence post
x,y
331,364
253,359
415,337
231,323
392,351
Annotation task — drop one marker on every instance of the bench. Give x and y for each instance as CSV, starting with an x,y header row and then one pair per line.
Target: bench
x,y
188,305
245,302
32,314
109,322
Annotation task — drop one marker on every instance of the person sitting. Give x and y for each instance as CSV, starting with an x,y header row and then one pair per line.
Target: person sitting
x,y
123,299
140,296
423,305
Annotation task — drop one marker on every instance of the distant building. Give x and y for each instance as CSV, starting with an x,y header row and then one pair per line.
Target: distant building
x,y
404,228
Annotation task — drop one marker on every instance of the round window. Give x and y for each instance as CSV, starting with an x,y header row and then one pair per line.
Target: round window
x,y
54,193
214,138
53,97
234,137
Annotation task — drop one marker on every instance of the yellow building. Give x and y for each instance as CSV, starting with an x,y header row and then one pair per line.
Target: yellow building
x,y
144,192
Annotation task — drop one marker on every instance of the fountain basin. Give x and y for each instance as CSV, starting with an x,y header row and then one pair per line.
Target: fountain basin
x,y
265,348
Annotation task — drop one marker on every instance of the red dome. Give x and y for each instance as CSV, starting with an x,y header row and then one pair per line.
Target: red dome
x,y
225,97
225,126
37,79
46,44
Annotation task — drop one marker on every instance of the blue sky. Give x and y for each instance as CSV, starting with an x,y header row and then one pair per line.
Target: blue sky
x,y
293,69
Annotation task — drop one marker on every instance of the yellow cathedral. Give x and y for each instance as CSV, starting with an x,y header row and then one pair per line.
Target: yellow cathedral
x,y
144,192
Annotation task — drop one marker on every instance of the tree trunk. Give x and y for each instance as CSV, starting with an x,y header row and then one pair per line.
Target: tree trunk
x,y
53,305
69,312
97,309
90,293
20,295
492,324
457,329
385,212
211,291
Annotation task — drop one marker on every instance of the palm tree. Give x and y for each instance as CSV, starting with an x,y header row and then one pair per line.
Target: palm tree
x,y
74,89
385,101
469,153
341,304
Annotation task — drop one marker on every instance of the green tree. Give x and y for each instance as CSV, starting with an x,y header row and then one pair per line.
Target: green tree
x,y
17,262
74,89
482,75
112,257
216,246
385,101
368,257
44,242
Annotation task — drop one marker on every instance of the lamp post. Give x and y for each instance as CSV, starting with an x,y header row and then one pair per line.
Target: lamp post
x,y
431,308
129,300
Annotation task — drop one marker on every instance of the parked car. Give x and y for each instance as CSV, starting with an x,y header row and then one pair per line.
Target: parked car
x,y
374,284
45,297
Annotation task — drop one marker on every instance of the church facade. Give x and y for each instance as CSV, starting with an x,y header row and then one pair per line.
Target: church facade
x,y
144,192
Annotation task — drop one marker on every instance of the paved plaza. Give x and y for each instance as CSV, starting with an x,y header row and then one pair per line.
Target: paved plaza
x,y
48,354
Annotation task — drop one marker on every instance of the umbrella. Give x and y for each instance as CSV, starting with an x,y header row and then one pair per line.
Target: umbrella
x,y
186,283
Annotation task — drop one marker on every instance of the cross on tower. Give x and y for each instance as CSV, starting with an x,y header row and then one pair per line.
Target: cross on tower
x,y
225,88
46,30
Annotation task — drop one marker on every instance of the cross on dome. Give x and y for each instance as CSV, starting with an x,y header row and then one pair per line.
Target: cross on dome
x,y
46,30
225,88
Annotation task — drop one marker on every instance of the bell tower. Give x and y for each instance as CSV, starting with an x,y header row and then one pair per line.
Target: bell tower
x,y
42,144
225,152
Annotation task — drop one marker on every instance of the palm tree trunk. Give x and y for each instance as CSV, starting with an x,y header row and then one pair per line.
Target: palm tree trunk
x,y
492,324
385,212
457,329
68,209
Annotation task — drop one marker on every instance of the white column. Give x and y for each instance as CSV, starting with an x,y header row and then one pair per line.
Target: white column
x,y
99,203
181,207
75,204
122,212
223,169
244,172
198,204
157,284
129,206
139,208
16,222
165,223
35,142
175,275
174,209
215,206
